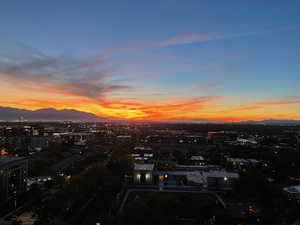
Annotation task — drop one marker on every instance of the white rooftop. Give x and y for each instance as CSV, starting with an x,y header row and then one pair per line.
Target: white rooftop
x,y
292,189
142,148
239,160
124,136
195,177
146,167
220,174
252,141
197,158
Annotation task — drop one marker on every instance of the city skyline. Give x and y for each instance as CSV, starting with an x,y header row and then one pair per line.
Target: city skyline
x,y
158,60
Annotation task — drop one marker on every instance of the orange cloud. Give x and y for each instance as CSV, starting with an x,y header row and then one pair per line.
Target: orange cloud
x,y
139,110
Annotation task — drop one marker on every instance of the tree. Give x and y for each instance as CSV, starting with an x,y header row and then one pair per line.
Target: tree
x,y
121,163
254,189
16,222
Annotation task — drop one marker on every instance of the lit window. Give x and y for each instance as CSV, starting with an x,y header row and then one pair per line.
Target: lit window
x,y
147,176
161,178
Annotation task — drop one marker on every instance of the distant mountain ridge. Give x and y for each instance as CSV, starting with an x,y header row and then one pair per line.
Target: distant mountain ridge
x,y
48,114
51,114
271,122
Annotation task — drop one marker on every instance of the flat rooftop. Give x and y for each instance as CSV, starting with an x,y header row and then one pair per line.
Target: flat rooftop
x,y
197,158
145,167
293,189
221,174
239,160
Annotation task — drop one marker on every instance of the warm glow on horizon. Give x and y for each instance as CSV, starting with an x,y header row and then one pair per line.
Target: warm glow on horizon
x,y
188,110
222,109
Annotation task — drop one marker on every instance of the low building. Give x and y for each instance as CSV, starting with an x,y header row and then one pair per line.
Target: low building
x,y
13,176
181,178
237,162
292,192
142,148
197,160
142,154
220,179
143,173
197,167
80,138
216,137
246,141
40,180
41,142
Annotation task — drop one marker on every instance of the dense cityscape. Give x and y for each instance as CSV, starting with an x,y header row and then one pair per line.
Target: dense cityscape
x,y
149,173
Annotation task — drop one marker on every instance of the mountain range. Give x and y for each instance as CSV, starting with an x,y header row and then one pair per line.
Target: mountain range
x,y
272,122
48,114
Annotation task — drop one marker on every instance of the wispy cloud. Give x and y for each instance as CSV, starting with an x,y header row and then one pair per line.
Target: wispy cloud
x,y
83,77
205,37
187,38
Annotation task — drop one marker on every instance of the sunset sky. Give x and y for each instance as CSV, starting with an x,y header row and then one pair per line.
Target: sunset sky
x,y
153,60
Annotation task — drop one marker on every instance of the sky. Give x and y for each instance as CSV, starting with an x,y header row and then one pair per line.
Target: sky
x,y
179,60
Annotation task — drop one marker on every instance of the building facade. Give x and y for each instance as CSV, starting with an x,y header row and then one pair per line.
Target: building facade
x,y
143,173
13,176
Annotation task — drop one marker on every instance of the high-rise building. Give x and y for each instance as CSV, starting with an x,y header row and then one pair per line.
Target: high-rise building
x,y
13,176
